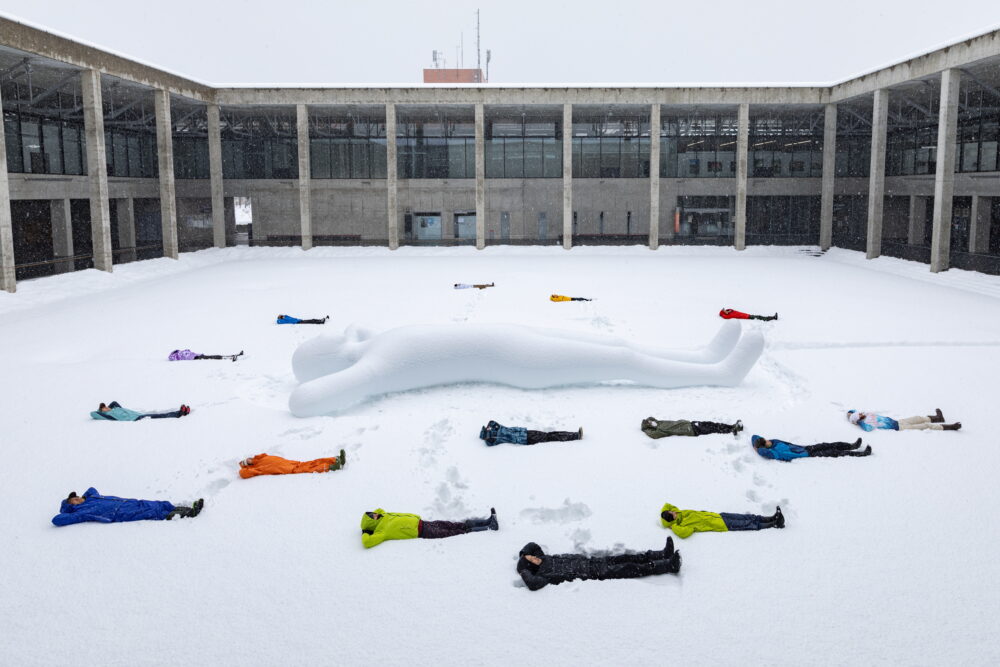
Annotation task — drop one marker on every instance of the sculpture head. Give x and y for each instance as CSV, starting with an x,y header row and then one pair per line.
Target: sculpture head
x,y
331,353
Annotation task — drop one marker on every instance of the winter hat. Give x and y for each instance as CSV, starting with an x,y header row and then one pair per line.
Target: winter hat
x,y
853,416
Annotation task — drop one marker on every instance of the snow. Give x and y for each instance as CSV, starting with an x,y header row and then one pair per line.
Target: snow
x,y
339,371
886,559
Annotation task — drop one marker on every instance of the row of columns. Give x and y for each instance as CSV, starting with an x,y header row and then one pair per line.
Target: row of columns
x,y
99,203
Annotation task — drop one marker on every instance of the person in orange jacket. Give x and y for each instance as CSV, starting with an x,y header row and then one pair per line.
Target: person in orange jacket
x,y
730,314
266,464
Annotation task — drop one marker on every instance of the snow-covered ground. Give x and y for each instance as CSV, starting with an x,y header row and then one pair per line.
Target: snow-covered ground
x,y
886,559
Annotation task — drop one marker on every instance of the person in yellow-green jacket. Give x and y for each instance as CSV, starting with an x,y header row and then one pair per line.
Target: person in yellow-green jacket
x,y
686,522
378,526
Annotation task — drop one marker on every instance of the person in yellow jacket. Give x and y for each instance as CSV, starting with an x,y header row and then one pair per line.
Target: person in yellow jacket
x,y
378,526
686,522
560,297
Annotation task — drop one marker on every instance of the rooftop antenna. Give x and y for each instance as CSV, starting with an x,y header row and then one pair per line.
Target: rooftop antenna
x,y
489,54
478,64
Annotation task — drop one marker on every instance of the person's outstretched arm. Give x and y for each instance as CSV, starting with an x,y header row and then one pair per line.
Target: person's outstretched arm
x,y
371,539
682,532
533,581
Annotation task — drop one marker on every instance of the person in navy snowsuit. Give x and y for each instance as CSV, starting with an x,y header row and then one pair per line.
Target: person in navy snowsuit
x,y
779,450
494,433
92,506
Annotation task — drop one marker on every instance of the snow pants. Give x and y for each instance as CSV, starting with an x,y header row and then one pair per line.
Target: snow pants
x,y
742,521
534,437
919,423
151,415
704,428
435,530
834,449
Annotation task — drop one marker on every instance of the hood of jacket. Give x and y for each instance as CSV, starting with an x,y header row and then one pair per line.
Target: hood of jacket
x,y
68,508
529,549
667,507
370,524
757,441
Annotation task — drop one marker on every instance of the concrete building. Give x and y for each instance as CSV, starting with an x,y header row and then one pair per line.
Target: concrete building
x,y
109,160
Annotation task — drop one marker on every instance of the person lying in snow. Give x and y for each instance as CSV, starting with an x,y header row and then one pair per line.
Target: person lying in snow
x,y
92,506
779,450
494,433
265,464
113,411
560,297
869,422
288,319
538,569
661,428
686,522
188,355
476,285
379,526
730,314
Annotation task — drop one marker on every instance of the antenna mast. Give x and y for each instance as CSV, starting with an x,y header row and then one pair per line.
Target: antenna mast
x,y
478,66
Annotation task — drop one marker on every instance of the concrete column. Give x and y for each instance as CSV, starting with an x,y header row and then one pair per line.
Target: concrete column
x,y
215,175
979,230
944,178
742,155
390,180
126,229
654,177
567,146
62,234
305,175
480,176
97,168
918,220
8,282
876,174
829,169
165,151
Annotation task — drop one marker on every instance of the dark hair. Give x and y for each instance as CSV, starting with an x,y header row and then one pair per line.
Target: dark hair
x,y
72,494
664,513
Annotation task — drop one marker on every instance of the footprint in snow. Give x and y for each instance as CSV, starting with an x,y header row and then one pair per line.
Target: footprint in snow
x,y
565,514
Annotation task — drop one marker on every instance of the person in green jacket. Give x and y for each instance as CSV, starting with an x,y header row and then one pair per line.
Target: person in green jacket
x,y
661,428
378,526
686,522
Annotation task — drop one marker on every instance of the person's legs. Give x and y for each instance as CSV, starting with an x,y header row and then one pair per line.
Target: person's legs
x,y
918,423
743,521
703,428
489,523
210,356
535,437
315,321
185,512
164,415
435,530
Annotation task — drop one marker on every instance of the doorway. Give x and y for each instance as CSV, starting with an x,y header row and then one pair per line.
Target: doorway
x,y
465,225
427,226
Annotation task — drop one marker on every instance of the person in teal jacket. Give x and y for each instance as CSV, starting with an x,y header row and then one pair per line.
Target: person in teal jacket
x,y
378,526
685,523
779,450
114,412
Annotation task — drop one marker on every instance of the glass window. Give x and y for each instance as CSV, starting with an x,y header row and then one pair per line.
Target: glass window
x,y
494,158
52,144
31,146
71,137
514,158
319,158
552,149
12,138
134,161
590,158
534,158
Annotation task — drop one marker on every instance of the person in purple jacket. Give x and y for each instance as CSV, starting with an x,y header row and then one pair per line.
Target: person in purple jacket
x,y
869,422
92,506
188,355
779,450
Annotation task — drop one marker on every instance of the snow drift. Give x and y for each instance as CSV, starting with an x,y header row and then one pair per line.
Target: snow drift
x,y
340,371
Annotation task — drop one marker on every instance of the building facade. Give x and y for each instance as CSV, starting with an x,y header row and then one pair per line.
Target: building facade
x,y
109,160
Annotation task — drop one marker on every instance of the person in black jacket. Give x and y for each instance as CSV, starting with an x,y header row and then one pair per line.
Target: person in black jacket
x,y
538,569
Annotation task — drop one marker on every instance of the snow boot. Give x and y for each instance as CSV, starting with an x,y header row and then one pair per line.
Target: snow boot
x,y
493,524
580,434
196,508
737,427
951,427
668,549
857,443
185,410
937,417
670,565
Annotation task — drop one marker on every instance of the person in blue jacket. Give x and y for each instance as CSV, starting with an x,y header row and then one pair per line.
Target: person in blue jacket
x,y
113,411
92,506
494,433
288,319
779,450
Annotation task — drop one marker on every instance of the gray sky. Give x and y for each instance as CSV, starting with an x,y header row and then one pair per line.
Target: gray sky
x,y
390,41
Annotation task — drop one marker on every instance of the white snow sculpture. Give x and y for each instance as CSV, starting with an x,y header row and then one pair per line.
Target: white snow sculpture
x,y
342,370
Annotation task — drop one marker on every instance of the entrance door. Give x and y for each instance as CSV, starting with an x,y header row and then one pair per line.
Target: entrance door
x,y
505,225
427,226
465,225
543,225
